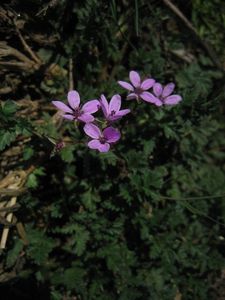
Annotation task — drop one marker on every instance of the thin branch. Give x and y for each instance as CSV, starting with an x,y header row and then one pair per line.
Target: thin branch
x,y
205,45
9,217
22,233
71,81
5,90
192,198
187,205
6,50
43,11
27,47
16,64
7,209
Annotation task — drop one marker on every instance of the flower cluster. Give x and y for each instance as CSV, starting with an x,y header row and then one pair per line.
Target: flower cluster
x,y
138,90
103,138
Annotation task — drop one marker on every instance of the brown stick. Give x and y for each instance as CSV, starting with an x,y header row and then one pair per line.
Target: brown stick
x,y
43,11
13,180
6,229
5,90
27,47
71,82
6,50
7,209
205,45
11,192
22,233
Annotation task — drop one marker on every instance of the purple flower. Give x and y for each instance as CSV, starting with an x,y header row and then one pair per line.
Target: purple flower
x,y
74,111
163,95
112,110
137,88
101,140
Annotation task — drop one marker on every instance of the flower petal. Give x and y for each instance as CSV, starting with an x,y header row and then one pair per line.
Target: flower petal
x,y
91,106
119,115
104,105
61,106
111,134
73,99
157,89
115,104
132,96
168,89
135,78
94,144
86,118
92,131
68,117
104,147
147,84
172,100
126,85
148,97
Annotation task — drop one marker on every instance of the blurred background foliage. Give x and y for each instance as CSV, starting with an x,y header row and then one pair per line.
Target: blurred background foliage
x,y
146,220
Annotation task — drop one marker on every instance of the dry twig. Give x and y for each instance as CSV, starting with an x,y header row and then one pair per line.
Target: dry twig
x,y
205,45
71,82
14,180
26,46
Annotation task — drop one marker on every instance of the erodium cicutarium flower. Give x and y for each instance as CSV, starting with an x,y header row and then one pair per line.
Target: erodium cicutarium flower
x,y
73,111
101,140
162,95
138,89
112,110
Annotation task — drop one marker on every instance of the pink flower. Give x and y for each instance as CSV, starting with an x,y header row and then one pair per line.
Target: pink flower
x,y
73,111
137,88
101,140
112,110
163,95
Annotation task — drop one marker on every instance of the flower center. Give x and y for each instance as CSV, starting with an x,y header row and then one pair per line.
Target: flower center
x,y
138,90
102,140
76,112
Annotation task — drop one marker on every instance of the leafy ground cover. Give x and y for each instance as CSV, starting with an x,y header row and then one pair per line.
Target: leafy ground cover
x,y
145,220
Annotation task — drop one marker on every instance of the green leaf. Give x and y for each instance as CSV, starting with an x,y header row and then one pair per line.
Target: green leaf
x,y
6,138
9,108
67,154
28,153
14,253
39,246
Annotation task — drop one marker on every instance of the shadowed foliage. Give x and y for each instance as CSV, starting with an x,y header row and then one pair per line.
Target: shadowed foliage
x,y
145,220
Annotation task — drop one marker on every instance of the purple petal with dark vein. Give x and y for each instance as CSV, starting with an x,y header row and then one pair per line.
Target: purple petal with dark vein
x,y
68,117
86,118
148,97
172,100
94,144
135,78
73,99
92,130
126,85
132,96
120,114
104,147
115,104
168,89
61,106
157,89
111,134
104,105
147,84
91,106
